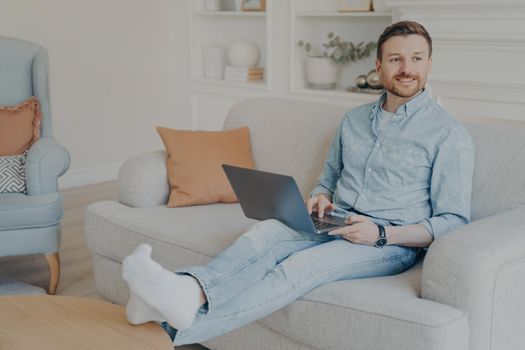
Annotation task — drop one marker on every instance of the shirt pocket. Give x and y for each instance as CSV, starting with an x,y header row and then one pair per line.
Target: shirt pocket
x,y
401,164
356,151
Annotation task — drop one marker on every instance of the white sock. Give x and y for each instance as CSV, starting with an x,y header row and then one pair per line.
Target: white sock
x,y
175,297
138,312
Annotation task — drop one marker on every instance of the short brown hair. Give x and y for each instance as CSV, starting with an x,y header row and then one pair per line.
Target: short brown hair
x,y
403,28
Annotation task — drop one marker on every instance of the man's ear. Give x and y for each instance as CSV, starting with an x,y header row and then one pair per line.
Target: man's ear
x,y
429,65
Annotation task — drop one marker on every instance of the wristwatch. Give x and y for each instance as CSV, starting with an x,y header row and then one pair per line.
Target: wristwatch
x,y
381,239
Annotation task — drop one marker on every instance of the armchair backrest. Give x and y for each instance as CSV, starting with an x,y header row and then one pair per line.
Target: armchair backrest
x,y
24,73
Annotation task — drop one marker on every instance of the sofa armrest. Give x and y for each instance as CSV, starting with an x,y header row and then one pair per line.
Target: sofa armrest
x,y
480,269
46,162
143,180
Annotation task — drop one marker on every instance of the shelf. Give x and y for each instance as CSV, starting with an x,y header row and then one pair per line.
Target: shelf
x,y
338,93
320,14
231,13
258,85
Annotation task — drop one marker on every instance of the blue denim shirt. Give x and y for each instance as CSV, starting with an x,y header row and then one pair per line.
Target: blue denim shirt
x,y
417,169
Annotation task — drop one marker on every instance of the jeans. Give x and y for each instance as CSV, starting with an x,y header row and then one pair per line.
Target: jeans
x,y
270,266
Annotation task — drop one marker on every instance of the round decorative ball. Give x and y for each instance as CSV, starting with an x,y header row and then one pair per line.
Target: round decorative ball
x,y
243,53
361,81
374,80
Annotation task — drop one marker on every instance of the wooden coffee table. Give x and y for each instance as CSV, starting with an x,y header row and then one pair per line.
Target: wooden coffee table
x,y
60,322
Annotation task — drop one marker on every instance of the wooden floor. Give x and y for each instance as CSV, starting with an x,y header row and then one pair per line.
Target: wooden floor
x,y
76,277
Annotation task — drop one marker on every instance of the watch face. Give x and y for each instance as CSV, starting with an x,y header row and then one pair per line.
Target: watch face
x,y
380,242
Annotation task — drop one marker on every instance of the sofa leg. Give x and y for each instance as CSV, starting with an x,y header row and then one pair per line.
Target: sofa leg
x,y
53,260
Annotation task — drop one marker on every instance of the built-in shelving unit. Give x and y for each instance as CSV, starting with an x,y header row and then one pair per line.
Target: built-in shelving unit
x,y
468,37
230,13
320,14
220,29
311,21
276,32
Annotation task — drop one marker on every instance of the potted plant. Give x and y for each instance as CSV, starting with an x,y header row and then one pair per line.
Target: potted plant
x,y
322,68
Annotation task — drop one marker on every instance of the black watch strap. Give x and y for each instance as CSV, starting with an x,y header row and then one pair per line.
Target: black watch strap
x,y
381,239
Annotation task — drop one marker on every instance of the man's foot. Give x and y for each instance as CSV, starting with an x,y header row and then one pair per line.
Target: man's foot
x,y
138,312
173,296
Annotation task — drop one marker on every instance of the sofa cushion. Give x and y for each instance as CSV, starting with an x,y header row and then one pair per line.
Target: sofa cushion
x,y
287,135
194,164
330,315
18,211
114,230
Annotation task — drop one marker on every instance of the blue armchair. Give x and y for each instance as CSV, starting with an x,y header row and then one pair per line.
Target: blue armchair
x,y
30,223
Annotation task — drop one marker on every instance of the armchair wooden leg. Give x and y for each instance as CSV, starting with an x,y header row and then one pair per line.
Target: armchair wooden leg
x,y
53,260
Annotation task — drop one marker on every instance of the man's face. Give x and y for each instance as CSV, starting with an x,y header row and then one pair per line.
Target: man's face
x,y
405,65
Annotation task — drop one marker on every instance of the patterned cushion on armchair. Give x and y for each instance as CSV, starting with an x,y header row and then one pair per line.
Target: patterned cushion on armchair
x,y
12,174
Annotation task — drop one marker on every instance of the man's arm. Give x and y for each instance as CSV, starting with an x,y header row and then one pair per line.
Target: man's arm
x,y
408,236
450,192
363,230
451,183
332,168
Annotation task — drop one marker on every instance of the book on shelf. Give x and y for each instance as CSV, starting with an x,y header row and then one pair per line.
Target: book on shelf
x,y
233,73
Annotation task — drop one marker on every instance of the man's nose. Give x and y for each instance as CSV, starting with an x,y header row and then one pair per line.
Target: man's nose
x,y
406,67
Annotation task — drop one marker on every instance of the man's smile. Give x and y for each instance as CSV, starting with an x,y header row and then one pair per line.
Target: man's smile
x,y
405,81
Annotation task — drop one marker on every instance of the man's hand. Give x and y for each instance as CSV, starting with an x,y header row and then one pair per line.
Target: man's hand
x,y
361,230
320,203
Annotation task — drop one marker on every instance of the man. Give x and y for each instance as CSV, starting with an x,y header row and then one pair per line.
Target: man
x,y
403,164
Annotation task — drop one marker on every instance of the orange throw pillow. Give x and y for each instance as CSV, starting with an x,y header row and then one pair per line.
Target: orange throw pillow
x,y
194,164
19,127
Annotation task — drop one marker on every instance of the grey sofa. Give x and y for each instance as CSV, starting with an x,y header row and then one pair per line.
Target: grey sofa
x,y
466,293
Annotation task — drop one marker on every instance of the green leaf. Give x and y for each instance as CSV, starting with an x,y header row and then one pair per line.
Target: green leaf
x,y
307,47
337,54
330,35
300,43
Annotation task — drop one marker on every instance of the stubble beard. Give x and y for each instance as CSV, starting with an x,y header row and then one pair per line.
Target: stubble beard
x,y
395,88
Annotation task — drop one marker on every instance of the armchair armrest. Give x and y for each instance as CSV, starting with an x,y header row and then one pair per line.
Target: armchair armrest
x,y
46,162
143,180
480,269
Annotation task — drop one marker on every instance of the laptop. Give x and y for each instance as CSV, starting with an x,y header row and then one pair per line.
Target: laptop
x,y
263,195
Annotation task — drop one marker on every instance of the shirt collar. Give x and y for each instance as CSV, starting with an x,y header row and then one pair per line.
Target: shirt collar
x,y
405,110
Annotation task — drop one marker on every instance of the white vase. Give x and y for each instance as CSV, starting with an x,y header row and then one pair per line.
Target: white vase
x,y
212,5
214,62
243,53
238,5
321,73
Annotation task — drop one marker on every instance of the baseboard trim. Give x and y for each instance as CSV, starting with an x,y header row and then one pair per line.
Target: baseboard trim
x,y
89,176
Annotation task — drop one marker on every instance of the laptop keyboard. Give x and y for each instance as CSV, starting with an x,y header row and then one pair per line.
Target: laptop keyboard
x,y
319,225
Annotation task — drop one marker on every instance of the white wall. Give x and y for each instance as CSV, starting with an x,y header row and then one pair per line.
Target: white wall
x,y
479,50
112,71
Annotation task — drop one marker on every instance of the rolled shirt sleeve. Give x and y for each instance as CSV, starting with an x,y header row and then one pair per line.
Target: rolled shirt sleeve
x,y
333,166
451,183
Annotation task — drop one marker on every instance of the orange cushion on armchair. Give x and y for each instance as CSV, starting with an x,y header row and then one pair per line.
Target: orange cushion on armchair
x,y
19,127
